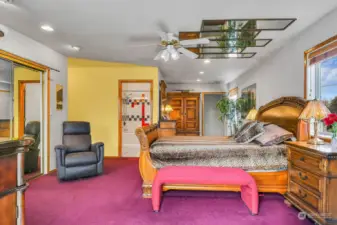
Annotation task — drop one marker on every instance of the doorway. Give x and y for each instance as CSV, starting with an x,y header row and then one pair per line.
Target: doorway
x,y
135,110
211,124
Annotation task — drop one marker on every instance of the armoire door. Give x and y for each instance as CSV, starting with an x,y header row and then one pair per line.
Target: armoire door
x,y
191,115
185,112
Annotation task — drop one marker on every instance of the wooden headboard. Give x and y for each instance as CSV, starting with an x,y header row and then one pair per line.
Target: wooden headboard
x,y
284,112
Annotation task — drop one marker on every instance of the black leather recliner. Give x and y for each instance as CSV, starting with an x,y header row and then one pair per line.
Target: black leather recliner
x,y
77,157
32,130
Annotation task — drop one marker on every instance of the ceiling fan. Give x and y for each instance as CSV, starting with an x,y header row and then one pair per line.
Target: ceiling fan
x,y
172,47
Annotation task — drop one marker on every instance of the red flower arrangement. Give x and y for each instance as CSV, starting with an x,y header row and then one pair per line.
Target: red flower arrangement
x,y
331,122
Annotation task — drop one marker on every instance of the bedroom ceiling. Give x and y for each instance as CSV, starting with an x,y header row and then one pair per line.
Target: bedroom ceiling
x,y
110,30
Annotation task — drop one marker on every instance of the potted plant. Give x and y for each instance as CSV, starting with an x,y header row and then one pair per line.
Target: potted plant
x,y
227,107
331,123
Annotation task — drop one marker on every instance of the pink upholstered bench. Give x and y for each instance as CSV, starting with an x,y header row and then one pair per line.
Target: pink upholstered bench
x,y
207,175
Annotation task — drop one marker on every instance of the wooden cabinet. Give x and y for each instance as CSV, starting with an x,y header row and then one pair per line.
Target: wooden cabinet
x,y
186,112
312,180
12,184
167,128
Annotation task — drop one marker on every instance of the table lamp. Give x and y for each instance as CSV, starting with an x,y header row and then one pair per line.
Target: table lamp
x,y
252,114
167,110
316,110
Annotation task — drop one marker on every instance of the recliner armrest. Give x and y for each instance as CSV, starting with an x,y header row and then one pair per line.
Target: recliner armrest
x,y
61,151
99,149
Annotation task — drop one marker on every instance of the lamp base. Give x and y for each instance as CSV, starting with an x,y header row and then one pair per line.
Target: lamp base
x,y
316,141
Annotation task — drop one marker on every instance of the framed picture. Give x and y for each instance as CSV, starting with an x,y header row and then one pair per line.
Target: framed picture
x,y
248,98
59,97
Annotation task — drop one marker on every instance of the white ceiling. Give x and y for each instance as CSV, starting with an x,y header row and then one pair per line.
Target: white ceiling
x,y
107,29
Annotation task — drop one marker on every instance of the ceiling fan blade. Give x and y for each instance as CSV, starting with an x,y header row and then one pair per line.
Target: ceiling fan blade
x,y
163,27
158,56
188,53
195,41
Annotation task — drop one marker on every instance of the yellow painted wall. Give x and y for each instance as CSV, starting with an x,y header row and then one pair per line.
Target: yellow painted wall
x,y
21,73
93,96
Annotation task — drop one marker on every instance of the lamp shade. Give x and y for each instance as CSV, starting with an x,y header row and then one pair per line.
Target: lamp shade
x,y
252,114
315,109
168,108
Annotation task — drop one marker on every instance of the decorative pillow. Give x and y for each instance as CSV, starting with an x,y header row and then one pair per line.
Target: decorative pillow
x,y
251,134
246,126
274,135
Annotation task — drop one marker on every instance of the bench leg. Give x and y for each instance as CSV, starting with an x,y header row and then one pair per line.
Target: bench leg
x,y
250,196
147,190
156,196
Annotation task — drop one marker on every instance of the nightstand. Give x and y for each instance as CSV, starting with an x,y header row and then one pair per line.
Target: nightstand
x,y
312,180
167,128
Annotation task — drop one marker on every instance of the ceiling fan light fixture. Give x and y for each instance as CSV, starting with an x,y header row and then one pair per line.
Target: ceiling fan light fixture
x,y
165,55
6,1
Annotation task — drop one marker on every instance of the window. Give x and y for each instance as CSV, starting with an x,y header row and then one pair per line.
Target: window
x,y
321,80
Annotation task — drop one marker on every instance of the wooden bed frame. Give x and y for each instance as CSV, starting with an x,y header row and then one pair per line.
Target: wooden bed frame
x,y
283,112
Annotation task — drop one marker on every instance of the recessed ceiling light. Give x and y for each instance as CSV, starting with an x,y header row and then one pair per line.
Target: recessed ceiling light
x,y
198,80
47,28
233,55
201,72
207,61
75,48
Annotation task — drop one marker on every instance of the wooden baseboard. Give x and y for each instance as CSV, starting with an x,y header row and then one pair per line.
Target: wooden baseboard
x,y
52,171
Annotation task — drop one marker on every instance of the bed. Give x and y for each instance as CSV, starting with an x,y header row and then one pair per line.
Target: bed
x,y
268,165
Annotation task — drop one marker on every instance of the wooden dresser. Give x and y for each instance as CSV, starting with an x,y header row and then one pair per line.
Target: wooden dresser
x,y
167,128
312,181
12,184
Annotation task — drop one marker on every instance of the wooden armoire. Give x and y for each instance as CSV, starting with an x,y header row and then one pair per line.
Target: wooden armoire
x,y
186,112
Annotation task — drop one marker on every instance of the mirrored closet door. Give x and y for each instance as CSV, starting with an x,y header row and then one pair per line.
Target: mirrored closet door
x,y
21,111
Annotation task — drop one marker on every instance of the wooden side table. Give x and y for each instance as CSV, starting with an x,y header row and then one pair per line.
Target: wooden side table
x,y
312,181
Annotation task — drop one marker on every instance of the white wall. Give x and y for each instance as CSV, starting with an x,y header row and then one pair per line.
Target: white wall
x,y
282,73
196,87
21,45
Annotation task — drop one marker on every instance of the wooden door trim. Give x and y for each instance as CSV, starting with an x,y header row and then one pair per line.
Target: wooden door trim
x,y
203,107
120,105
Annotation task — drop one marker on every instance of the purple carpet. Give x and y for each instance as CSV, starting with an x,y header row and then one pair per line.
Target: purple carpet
x,y
115,198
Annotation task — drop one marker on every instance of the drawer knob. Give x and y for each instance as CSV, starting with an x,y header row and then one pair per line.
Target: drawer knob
x,y
305,177
302,195
302,159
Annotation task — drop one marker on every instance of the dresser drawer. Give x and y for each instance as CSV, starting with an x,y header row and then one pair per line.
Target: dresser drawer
x,y
304,196
309,162
304,178
168,124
